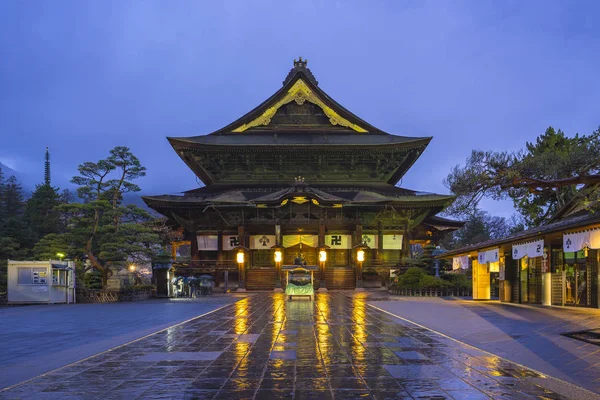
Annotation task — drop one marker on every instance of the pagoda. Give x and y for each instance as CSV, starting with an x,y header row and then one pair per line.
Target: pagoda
x,y
302,178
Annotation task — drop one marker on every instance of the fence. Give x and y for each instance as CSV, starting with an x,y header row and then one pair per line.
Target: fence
x,y
431,292
113,296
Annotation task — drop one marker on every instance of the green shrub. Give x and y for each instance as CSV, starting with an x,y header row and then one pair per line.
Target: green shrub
x,y
458,281
411,279
431,282
93,280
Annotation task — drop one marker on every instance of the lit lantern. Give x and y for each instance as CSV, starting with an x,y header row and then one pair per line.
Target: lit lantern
x,y
278,256
360,255
322,256
132,268
240,257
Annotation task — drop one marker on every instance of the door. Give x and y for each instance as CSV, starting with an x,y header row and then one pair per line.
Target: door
x,y
523,280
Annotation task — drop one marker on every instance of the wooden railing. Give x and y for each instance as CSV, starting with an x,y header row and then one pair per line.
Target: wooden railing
x,y
206,265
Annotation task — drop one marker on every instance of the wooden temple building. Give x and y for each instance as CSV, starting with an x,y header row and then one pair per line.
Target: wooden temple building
x,y
301,179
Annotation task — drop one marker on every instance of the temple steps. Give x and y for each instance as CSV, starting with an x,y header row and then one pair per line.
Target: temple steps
x,y
260,279
340,278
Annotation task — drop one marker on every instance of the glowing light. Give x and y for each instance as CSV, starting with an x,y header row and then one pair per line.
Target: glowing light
x,y
132,268
278,256
60,256
322,256
360,255
240,257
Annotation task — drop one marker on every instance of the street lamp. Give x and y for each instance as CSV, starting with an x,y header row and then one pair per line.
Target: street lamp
x,y
132,268
360,258
322,260
60,256
278,257
241,258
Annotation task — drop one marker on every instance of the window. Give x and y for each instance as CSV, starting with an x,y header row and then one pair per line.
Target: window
x,y
31,276
24,275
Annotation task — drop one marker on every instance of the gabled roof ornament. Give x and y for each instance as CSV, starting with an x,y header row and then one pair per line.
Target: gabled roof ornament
x,y
300,65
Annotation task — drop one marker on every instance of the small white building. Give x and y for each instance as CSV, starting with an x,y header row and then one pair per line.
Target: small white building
x,y
41,282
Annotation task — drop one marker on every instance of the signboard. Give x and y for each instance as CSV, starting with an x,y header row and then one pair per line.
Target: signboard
x,y
370,240
339,241
392,242
230,242
262,242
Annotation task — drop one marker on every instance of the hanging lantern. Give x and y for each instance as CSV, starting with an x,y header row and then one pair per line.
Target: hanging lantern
x,y
278,256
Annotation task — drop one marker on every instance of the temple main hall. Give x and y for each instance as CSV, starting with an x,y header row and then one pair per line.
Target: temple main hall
x,y
301,179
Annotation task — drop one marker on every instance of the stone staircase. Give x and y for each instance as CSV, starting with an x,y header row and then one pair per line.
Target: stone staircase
x,y
260,279
340,278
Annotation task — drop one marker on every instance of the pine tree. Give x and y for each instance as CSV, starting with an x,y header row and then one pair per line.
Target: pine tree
x,y
13,198
41,213
2,195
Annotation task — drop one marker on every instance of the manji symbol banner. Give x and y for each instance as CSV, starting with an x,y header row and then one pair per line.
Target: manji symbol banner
x,y
230,242
262,242
339,242
208,242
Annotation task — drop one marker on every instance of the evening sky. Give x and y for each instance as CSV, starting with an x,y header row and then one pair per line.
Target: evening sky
x,y
84,76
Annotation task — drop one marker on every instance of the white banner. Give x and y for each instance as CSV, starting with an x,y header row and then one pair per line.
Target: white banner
x,y
580,240
262,242
461,262
576,241
208,242
339,241
531,249
488,256
293,240
392,242
370,240
230,242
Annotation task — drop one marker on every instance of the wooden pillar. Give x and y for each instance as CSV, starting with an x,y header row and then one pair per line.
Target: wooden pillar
x,y
219,246
194,254
379,241
406,240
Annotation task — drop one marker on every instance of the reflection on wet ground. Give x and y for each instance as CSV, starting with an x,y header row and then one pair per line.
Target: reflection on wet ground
x,y
264,347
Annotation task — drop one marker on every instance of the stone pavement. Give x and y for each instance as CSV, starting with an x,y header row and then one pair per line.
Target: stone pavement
x,y
528,335
264,347
37,339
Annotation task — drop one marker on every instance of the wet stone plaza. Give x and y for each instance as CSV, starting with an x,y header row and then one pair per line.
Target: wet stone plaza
x,y
264,347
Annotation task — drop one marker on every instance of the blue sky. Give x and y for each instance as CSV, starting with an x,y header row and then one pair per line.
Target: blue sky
x,y
84,76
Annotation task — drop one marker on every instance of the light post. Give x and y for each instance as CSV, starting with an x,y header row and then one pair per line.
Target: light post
x,y
278,257
360,258
322,260
240,258
60,256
